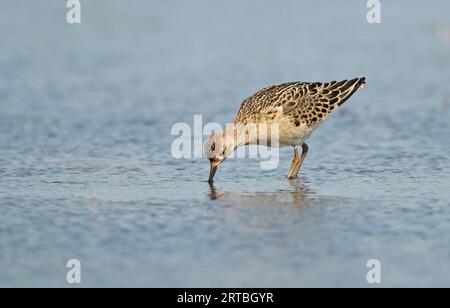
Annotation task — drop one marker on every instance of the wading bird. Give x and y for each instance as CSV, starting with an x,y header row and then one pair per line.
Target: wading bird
x,y
297,109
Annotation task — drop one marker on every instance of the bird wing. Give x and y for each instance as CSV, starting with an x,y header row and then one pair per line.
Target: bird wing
x,y
303,102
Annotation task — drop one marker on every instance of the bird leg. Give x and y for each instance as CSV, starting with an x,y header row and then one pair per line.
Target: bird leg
x,y
297,161
305,149
294,162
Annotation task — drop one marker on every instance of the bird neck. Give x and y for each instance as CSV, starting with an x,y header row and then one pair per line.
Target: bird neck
x,y
238,135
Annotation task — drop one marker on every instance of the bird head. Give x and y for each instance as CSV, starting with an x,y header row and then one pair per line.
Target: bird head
x,y
216,149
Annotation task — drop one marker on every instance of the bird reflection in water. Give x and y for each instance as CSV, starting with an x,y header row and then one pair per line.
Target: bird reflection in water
x,y
299,196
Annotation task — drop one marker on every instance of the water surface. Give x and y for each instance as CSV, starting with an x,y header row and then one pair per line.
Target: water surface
x,y
86,170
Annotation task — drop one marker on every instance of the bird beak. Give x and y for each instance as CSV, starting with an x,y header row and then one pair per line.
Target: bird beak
x,y
213,168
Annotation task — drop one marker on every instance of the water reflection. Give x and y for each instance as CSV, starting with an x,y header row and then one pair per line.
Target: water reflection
x,y
300,195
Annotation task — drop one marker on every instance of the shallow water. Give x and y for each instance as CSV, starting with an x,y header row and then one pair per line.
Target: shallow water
x,y
86,170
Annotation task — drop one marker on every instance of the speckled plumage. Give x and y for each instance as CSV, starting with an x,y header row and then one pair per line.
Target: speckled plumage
x,y
299,102
296,108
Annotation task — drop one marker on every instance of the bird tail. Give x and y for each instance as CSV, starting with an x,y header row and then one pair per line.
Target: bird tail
x,y
362,83
343,90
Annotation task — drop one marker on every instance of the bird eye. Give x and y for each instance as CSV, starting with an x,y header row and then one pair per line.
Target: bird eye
x,y
213,147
